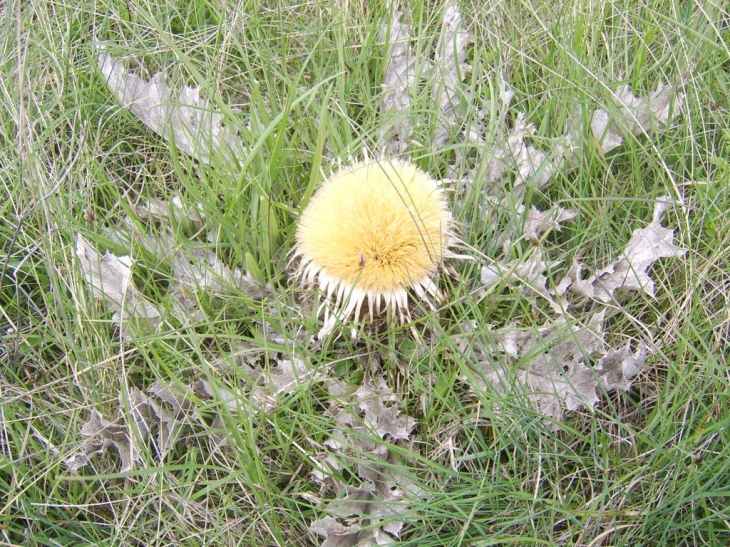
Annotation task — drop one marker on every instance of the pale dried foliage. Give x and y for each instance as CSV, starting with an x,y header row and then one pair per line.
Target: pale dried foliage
x,y
195,271
551,366
399,82
638,115
539,222
166,411
111,280
188,121
629,272
362,419
448,72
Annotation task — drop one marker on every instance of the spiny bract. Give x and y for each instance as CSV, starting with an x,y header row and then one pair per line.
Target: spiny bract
x,y
372,231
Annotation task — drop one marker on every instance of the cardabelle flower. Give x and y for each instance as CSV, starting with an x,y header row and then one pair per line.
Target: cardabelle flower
x,y
374,230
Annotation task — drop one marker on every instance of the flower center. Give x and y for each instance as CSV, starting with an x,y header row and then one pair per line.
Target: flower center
x,y
379,226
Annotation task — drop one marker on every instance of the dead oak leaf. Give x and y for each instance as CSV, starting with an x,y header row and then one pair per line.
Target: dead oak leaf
x,y
551,366
448,72
528,272
399,80
202,271
639,114
617,368
353,535
379,406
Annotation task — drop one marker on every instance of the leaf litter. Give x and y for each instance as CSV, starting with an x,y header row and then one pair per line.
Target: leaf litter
x,y
551,365
646,246
111,280
399,81
189,122
448,73
560,366
167,410
363,419
639,115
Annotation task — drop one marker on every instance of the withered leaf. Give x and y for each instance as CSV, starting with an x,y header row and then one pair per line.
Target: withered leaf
x,y
190,122
373,398
338,535
529,272
398,81
365,414
157,209
531,165
617,368
646,246
286,376
111,280
448,71
539,222
150,415
201,270
639,114
551,366
102,434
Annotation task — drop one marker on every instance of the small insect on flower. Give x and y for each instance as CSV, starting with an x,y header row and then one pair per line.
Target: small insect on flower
x,y
376,232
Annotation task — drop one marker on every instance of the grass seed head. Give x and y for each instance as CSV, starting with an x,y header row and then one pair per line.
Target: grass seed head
x,y
372,232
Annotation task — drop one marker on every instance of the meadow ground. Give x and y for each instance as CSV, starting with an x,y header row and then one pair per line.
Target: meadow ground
x,y
300,85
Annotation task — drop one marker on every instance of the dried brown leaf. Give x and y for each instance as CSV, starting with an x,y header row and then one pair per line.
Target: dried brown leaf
x,y
379,408
399,79
639,114
606,133
111,280
551,366
102,434
448,72
384,493
529,272
532,165
338,535
384,474
335,533
646,246
149,416
361,506
190,122
179,398
617,368
201,270
286,376
194,271
163,421
157,209
539,222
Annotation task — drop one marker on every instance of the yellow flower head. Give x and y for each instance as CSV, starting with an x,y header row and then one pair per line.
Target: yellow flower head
x,y
372,231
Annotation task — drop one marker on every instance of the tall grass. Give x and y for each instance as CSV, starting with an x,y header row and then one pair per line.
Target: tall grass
x,y
301,84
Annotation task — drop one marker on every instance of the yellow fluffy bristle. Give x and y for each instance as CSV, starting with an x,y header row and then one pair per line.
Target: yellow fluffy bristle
x,y
373,230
